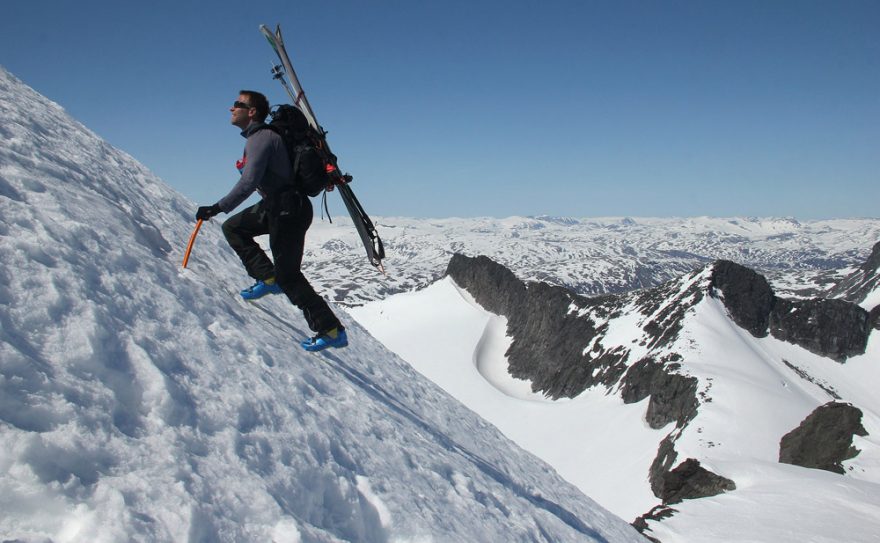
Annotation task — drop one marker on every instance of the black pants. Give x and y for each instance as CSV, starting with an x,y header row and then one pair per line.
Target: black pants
x,y
286,219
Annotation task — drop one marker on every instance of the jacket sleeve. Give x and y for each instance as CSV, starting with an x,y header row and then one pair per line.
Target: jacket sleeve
x,y
258,151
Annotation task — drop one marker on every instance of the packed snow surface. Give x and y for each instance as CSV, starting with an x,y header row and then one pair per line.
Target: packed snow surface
x,y
143,402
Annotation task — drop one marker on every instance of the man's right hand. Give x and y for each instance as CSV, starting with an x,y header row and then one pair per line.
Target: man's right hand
x,y
206,212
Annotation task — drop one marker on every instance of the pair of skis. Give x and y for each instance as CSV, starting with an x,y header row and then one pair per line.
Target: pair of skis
x,y
365,228
363,224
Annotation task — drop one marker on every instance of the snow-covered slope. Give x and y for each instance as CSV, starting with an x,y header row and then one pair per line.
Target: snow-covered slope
x,y
590,256
751,391
140,402
462,347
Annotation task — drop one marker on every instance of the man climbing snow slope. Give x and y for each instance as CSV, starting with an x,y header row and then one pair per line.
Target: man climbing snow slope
x,y
284,214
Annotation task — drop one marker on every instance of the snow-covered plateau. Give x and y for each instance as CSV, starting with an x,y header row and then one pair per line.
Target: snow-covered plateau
x,y
589,256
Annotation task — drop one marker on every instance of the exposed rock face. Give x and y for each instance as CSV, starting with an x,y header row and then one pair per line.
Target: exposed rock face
x,y
665,308
656,513
834,328
495,287
673,396
558,368
824,439
691,480
858,285
537,317
687,480
746,294
662,464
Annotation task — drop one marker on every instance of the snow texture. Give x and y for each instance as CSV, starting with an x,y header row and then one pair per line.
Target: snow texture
x,y
143,402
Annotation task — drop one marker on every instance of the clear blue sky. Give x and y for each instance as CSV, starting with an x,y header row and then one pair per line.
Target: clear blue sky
x,y
493,108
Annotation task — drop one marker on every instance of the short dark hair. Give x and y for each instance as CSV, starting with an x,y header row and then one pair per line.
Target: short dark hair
x,y
257,101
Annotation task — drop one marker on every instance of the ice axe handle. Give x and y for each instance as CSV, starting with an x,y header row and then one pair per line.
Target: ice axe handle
x,y
192,240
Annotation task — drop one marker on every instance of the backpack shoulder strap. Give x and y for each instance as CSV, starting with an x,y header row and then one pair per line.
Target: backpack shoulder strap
x,y
297,152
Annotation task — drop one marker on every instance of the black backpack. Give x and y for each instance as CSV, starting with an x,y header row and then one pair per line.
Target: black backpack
x,y
312,166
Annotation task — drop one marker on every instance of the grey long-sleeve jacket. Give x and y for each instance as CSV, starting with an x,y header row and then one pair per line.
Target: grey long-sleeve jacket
x,y
265,166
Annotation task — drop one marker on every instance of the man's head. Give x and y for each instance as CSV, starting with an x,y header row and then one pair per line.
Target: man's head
x,y
251,106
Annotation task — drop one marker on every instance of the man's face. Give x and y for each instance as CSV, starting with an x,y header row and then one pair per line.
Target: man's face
x,y
242,112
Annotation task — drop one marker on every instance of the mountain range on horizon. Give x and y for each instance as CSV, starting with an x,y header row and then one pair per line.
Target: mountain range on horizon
x,y
590,256
700,378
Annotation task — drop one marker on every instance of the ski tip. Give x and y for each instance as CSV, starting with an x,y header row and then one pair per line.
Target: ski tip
x,y
266,31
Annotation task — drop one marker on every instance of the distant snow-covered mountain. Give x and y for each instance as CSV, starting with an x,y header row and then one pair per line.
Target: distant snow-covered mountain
x,y
142,402
590,256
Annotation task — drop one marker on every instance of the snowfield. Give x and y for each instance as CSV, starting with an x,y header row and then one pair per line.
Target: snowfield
x,y
143,402
454,355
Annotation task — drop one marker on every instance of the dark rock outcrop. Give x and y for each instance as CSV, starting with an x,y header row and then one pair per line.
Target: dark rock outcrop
x,y
657,513
493,286
687,480
824,439
690,480
747,296
558,368
538,315
834,328
673,396
662,463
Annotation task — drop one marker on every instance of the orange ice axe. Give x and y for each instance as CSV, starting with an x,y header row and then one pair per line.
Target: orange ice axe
x,y
192,239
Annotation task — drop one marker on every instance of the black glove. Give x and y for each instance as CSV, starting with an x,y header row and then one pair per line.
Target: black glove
x,y
206,212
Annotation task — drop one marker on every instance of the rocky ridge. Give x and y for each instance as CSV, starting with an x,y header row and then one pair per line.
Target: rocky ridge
x,y
539,314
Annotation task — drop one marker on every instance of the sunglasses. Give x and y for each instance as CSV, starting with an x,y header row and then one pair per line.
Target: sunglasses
x,y
241,105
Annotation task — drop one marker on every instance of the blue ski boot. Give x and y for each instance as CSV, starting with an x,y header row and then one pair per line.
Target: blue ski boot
x,y
260,289
335,338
